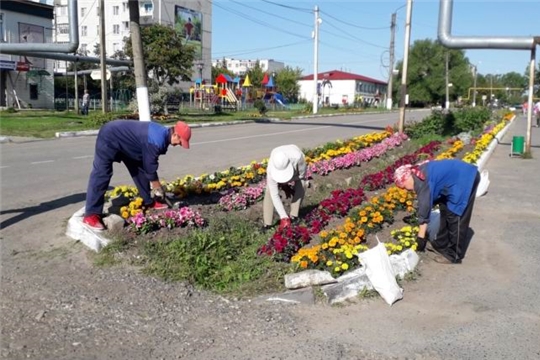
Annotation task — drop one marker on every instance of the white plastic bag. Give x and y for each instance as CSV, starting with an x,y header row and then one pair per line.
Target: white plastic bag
x,y
380,274
483,185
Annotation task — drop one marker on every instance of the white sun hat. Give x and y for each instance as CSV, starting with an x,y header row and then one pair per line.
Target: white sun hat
x,y
280,167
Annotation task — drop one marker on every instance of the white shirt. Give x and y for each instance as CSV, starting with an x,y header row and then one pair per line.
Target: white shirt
x,y
298,161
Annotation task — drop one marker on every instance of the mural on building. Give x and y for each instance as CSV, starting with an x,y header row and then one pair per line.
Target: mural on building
x,y
29,33
189,24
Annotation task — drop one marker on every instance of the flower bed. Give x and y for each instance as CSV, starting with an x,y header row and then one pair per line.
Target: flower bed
x,y
168,219
339,204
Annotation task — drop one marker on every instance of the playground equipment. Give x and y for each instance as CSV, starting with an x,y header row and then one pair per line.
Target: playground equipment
x,y
227,91
270,95
203,96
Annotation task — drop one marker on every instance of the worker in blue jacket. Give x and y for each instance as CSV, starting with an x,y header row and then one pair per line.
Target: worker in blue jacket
x,y
452,185
138,144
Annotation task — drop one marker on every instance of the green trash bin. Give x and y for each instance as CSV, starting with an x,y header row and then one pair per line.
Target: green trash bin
x,y
518,145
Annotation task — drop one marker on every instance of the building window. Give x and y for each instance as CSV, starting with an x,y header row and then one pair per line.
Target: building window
x,y
116,10
115,47
84,30
98,30
62,10
83,12
97,11
63,28
33,92
116,29
125,25
147,8
125,6
83,48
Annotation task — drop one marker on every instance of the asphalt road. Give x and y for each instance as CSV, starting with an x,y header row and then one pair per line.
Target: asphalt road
x,y
40,171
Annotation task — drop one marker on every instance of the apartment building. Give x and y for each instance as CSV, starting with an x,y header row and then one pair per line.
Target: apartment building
x,y
193,19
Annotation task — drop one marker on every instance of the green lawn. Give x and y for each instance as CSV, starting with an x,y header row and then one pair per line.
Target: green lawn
x,y
44,124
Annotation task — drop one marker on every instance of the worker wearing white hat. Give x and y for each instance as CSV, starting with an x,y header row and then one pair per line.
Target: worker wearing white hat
x,y
286,164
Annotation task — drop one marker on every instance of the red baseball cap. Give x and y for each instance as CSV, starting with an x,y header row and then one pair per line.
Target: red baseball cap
x,y
184,131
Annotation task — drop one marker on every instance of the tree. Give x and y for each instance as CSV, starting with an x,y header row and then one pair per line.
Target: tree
x,y
256,75
427,73
536,79
168,60
287,82
221,68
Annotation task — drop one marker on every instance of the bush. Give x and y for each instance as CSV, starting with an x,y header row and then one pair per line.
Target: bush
x,y
308,108
470,119
98,119
437,123
261,106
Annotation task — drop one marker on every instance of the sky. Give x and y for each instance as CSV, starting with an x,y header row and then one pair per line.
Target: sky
x,y
355,34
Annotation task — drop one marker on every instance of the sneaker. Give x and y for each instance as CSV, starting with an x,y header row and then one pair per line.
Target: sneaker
x,y
93,222
157,206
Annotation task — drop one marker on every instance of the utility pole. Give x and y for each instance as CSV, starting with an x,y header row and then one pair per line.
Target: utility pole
x,y
316,60
138,62
447,102
403,89
532,69
389,99
102,54
76,78
474,86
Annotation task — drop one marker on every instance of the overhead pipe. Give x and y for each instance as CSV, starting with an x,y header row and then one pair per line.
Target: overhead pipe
x,y
88,72
73,58
69,47
477,42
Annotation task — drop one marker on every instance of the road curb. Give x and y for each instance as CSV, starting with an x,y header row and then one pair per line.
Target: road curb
x,y
68,134
481,163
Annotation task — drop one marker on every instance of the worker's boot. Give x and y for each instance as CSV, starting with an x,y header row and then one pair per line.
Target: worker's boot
x,y
156,205
93,222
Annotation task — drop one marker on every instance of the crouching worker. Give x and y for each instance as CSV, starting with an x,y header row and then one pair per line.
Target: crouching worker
x,y
138,144
286,164
452,185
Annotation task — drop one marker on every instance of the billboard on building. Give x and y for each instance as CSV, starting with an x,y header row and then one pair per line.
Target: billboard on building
x,y
188,23
29,33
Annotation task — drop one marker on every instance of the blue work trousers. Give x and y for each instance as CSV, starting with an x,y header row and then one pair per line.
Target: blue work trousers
x,y
102,171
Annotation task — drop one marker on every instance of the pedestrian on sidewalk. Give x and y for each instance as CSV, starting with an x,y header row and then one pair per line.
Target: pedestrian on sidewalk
x,y
138,144
537,113
286,164
85,102
452,185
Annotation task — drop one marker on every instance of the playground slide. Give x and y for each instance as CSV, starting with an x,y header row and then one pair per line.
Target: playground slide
x,y
231,97
280,100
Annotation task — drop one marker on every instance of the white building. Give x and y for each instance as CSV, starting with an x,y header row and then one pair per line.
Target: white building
x,y
343,88
192,18
26,81
241,67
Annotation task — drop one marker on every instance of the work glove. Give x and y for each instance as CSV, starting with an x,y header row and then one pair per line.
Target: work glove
x,y
158,192
284,223
421,244
288,190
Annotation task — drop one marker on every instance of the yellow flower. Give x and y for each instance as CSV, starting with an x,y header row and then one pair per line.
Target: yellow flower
x,y
344,266
329,263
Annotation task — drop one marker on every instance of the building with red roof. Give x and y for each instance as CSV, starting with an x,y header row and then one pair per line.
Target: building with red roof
x,y
343,88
